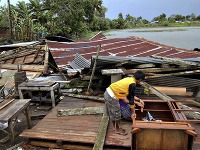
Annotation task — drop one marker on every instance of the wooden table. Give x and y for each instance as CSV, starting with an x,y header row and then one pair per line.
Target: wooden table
x,y
10,110
40,86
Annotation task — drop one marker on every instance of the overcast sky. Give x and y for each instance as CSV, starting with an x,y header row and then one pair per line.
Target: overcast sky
x,y
148,9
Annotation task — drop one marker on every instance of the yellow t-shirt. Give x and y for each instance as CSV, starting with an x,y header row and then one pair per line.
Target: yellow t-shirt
x,y
121,87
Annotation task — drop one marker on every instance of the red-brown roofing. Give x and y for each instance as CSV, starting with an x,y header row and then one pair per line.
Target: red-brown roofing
x,y
130,46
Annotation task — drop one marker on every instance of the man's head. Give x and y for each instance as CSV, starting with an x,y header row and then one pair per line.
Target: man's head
x,y
139,76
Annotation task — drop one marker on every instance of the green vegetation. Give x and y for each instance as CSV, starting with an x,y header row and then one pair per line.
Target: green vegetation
x,y
75,19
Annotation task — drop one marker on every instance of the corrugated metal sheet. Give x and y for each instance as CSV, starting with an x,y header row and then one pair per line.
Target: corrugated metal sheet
x,y
174,81
79,62
131,46
129,59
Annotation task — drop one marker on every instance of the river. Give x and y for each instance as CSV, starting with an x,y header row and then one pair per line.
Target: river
x,y
179,37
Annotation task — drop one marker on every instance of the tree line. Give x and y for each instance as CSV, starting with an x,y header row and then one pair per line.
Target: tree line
x,y
73,19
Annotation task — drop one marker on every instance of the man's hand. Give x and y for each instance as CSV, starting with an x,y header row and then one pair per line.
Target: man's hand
x,y
142,102
133,117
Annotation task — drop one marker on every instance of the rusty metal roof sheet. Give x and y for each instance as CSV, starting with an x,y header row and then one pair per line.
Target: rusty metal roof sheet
x,y
130,46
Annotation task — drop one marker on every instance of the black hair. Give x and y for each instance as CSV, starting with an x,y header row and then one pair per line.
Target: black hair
x,y
139,75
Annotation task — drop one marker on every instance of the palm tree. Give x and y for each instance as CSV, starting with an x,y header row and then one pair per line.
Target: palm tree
x,y
37,10
10,19
24,18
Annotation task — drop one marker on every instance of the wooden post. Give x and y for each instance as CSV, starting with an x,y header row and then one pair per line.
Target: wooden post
x,y
97,55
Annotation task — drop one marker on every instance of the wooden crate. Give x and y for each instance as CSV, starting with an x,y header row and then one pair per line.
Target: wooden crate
x,y
165,134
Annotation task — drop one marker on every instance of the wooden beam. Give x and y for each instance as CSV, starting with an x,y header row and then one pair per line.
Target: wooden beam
x,y
46,60
145,66
112,71
34,68
80,111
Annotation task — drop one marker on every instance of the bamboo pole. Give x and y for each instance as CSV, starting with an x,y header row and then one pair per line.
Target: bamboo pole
x,y
6,104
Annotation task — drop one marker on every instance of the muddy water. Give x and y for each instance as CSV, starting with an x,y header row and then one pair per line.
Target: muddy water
x,y
180,37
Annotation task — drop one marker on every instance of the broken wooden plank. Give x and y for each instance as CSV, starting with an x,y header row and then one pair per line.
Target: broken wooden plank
x,y
112,71
145,66
100,138
46,60
37,68
80,111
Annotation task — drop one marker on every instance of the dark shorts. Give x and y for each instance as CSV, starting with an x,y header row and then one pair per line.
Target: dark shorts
x,y
112,107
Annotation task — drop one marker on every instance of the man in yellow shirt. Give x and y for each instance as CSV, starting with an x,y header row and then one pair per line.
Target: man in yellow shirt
x,y
122,90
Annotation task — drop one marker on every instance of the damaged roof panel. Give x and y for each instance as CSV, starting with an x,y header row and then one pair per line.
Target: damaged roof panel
x,y
28,58
131,46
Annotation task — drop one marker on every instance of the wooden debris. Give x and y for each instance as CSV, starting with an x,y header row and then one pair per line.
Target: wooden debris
x,y
145,66
80,111
112,71
163,96
37,68
100,138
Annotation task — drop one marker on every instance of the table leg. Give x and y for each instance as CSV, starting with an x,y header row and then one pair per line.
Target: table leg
x,y
53,98
28,118
11,131
20,94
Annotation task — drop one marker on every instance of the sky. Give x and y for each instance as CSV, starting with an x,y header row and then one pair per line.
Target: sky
x,y
147,9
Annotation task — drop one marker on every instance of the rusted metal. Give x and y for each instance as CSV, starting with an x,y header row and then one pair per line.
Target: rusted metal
x,y
130,46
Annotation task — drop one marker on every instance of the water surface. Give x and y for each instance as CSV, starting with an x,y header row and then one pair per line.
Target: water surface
x,y
180,37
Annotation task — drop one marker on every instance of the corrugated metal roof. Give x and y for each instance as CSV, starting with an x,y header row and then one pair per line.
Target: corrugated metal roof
x,y
131,46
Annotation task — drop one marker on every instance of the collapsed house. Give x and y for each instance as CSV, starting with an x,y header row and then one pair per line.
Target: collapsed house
x,y
100,61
